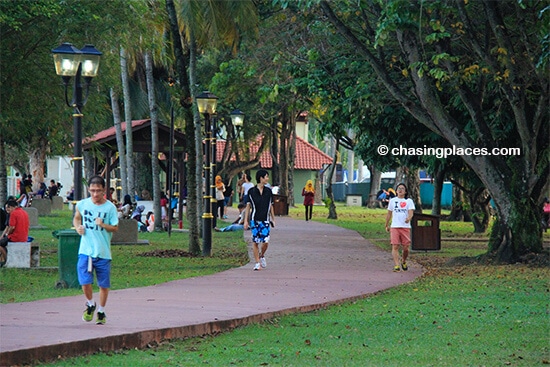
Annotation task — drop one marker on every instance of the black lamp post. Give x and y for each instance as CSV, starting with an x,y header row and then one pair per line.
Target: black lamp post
x,y
70,61
207,103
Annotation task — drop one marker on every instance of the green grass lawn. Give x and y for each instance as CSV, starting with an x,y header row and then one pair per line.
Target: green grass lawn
x,y
131,269
455,315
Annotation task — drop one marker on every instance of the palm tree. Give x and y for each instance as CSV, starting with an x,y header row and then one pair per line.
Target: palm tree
x,y
154,135
119,140
128,117
201,24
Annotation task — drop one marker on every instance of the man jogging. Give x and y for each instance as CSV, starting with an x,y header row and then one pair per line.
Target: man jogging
x,y
259,209
95,220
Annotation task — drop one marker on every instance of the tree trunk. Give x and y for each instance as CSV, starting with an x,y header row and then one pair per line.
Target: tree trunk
x,y
3,171
290,161
130,172
457,207
439,177
480,209
192,150
154,139
274,150
195,161
120,143
330,196
284,151
37,161
375,179
413,185
518,233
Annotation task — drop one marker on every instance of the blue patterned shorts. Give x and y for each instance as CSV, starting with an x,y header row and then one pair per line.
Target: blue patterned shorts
x,y
260,231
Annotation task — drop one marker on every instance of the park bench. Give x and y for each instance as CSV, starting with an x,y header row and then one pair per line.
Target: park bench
x,y
23,255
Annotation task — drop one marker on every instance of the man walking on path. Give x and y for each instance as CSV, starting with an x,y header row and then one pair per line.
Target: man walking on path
x,y
95,221
400,212
259,209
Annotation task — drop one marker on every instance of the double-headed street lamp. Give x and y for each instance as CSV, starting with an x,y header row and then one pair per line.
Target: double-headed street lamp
x,y
70,61
207,102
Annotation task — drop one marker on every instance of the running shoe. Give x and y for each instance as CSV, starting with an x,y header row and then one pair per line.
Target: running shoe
x,y
101,318
404,267
88,313
263,263
257,266
396,268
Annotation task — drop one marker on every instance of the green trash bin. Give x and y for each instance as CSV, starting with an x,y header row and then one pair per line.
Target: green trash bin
x,y
67,256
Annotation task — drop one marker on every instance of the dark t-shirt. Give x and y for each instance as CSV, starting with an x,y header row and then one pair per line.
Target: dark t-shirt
x,y
260,203
228,191
52,191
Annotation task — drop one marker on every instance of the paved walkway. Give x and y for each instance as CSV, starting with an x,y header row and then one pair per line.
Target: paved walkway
x,y
310,265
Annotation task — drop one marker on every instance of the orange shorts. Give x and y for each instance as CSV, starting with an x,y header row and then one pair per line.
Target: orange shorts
x,y
400,236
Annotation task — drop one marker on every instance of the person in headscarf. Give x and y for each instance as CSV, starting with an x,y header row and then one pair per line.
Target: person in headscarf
x,y
138,211
308,192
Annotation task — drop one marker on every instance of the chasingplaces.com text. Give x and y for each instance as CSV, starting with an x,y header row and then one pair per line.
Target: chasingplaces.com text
x,y
446,152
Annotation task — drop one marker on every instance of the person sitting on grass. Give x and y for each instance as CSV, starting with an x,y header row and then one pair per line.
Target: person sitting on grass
x,y
238,224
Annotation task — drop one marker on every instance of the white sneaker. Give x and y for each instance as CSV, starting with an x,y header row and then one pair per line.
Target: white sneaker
x,y
257,266
263,263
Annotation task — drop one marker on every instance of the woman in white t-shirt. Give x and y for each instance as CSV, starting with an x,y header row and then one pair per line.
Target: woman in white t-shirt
x,y
400,212
247,185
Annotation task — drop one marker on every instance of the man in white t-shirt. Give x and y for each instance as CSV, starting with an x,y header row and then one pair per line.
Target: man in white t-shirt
x,y
400,212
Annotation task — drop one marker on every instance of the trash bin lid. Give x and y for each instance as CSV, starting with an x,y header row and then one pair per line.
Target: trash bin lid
x,y
64,233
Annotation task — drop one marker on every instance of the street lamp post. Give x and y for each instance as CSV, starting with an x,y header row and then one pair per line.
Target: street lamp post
x,y
213,173
207,103
70,61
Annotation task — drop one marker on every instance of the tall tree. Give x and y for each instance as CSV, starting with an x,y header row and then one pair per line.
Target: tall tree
x,y
130,165
154,138
186,100
204,24
463,59
120,141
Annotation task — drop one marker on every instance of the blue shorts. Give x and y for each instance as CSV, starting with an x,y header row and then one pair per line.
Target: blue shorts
x,y
102,269
260,231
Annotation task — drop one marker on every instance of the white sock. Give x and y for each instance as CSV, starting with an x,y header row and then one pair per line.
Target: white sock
x,y
101,309
91,302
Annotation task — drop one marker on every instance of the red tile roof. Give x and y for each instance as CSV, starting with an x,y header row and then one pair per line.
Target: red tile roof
x,y
111,132
307,157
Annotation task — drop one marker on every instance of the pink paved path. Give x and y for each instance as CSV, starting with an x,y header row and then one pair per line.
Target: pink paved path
x,y
309,265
